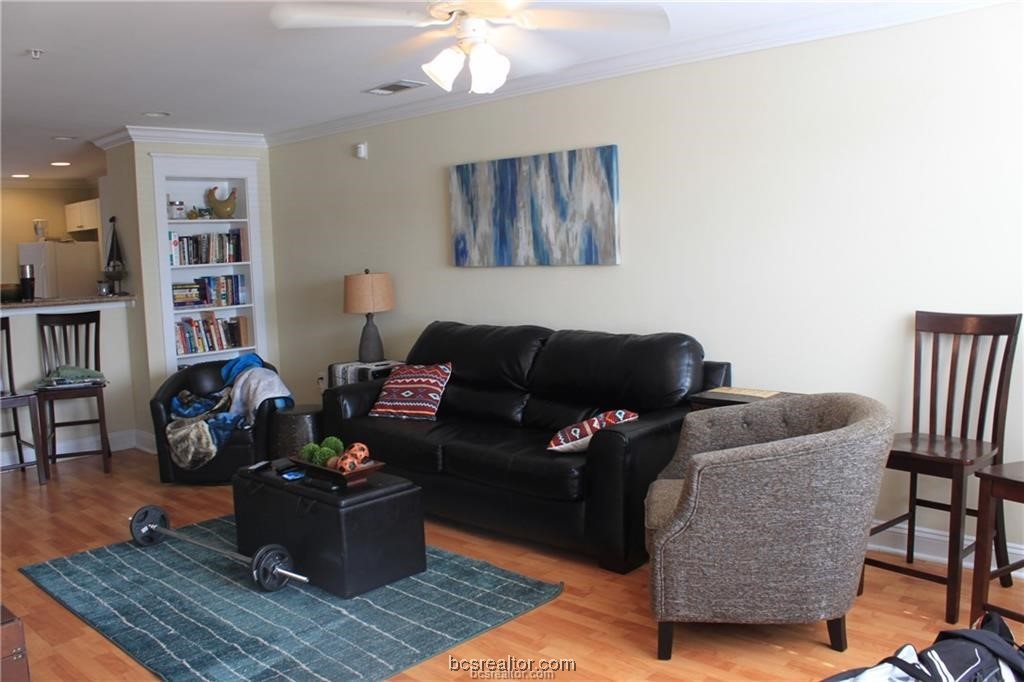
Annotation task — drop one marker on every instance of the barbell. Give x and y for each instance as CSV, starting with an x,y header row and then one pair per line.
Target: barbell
x,y
271,566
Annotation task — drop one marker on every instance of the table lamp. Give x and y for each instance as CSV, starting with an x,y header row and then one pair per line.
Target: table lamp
x,y
368,293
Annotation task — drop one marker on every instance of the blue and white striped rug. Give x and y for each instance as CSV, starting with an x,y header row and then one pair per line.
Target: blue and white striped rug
x,y
187,613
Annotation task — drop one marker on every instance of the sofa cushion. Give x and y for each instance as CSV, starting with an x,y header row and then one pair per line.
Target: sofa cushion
x,y
514,458
552,415
413,392
400,442
490,366
612,371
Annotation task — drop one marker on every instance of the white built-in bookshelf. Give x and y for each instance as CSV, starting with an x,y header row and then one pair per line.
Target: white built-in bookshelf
x,y
211,284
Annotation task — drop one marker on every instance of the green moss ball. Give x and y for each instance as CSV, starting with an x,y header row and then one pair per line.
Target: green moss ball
x,y
308,450
334,443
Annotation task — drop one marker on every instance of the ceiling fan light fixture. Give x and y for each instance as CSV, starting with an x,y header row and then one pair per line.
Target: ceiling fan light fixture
x,y
445,67
488,67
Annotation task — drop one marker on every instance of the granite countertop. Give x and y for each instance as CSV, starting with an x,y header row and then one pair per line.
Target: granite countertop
x,y
82,300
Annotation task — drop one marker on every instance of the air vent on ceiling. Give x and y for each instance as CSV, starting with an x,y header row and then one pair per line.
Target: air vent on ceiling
x,y
392,88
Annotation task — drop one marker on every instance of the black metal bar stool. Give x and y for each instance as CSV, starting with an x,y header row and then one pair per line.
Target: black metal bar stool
x,y
11,399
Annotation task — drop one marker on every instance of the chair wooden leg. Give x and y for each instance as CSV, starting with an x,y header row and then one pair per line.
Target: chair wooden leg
x,y
955,560
104,440
912,519
665,633
860,585
837,633
1002,555
51,431
17,436
39,443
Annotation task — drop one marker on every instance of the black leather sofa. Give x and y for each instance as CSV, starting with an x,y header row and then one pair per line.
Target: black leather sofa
x,y
484,461
244,447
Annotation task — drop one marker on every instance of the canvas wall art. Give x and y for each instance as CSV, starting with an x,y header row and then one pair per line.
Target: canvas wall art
x,y
560,208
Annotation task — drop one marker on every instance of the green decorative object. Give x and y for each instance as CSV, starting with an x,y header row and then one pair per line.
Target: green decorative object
x,y
322,455
334,444
222,208
308,450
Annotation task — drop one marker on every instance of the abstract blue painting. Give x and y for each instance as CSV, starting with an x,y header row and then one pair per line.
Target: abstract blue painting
x,y
560,208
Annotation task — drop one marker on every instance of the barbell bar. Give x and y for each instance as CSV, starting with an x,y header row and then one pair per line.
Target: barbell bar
x,y
270,566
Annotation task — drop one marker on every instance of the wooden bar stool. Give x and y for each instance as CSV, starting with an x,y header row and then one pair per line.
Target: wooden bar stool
x,y
71,340
951,454
999,482
11,399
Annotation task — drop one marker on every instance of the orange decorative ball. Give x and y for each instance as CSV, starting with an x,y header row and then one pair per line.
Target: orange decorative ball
x,y
347,463
359,451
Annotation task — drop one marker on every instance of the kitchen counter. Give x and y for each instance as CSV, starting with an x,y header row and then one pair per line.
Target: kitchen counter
x,y
67,305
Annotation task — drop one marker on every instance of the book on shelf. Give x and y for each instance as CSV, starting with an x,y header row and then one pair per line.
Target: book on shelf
x,y
207,248
225,290
208,333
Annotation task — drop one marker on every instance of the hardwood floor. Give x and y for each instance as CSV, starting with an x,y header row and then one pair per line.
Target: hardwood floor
x,y
602,620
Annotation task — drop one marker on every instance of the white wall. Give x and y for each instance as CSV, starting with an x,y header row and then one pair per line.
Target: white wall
x,y
789,208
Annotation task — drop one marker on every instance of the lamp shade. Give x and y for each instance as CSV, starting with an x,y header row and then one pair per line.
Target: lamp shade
x,y
488,67
369,292
443,68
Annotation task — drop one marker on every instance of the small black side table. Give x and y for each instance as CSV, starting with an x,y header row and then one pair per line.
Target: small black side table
x,y
293,427
998,482
723,397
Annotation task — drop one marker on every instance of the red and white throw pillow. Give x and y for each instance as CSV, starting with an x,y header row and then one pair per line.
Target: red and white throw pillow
x,y
413,392
577,437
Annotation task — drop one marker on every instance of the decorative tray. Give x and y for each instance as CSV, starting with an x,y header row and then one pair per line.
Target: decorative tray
x,y
349,478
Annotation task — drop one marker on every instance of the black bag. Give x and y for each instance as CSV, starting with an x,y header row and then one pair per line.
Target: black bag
x,y
987,654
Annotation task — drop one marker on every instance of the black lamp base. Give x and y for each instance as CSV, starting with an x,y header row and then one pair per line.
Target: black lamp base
x,y
371,348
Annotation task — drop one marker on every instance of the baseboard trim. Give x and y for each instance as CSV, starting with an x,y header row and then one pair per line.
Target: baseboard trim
x,y
931,545
119,440
144,440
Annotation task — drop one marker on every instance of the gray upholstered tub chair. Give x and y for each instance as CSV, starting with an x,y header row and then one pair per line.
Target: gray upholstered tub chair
x,y
762,516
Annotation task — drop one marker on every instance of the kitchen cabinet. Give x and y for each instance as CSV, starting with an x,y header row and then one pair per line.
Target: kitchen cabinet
x,y
82,215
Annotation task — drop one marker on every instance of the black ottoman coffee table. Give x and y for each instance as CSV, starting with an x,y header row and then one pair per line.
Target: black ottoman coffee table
x,y
347,542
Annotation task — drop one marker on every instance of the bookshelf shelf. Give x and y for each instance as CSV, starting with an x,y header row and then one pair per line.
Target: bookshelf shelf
x,y
225,317
186,310
195,266
212,353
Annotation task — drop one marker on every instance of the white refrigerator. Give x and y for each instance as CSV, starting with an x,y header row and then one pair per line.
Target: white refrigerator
x,y
62,269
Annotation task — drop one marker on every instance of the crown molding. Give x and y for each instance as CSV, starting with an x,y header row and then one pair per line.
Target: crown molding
x,y
48,183
180,136
838,21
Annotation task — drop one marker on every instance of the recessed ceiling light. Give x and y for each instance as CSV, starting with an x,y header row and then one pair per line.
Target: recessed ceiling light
x,y
63,138
156,114
20,175
60,163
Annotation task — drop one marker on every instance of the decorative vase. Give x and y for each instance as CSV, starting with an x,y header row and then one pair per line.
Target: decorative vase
x,y
222,208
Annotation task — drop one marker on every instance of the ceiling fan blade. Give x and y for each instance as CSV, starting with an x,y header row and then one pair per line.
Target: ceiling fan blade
x,y
343,15
530,52
582,18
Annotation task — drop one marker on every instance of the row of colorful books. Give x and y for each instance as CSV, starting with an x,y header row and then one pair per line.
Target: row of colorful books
x,y
211,333
224,290
201,249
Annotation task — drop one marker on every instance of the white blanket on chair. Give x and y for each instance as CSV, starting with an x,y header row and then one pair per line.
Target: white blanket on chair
x,y
252,387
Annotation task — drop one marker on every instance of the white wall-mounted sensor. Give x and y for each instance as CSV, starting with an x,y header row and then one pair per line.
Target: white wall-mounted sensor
x,y
361,150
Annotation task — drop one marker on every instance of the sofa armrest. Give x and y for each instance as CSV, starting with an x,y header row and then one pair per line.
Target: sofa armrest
x,y
716,374
348,401
622,461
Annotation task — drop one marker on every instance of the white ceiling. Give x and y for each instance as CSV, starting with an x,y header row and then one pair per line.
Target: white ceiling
x,y
224,66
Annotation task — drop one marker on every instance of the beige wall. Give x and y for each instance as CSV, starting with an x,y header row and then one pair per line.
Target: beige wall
x,y
20,206
790,208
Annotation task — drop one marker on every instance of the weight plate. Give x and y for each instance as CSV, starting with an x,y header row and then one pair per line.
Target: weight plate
x,y
140,522
265,561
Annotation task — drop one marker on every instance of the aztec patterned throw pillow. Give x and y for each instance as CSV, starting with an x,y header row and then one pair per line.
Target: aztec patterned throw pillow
x,y
413,392
577,437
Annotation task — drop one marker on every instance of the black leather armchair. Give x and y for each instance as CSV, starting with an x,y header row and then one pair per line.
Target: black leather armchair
x,y
244,447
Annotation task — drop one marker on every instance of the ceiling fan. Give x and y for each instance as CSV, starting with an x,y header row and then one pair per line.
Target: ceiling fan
x,y
472,24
